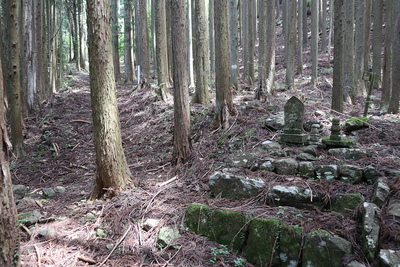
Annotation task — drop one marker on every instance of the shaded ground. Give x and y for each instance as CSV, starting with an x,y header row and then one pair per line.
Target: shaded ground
x,y
60,152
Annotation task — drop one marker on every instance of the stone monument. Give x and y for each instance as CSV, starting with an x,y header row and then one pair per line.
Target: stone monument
x,y
335,140
293,129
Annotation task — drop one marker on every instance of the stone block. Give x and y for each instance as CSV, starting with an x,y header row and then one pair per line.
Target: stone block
x,y
346,203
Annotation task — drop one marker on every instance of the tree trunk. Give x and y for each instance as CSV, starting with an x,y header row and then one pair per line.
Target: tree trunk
x,y
314,41
112,171
212,39
395,92
290,47
128,41
267,33
349,93
9,243
377,9
324,41
202,56
300,38
161,50
338,81
359,46
182,143
233,43
224,102
190,43
115,30
143,44
13,75
305,24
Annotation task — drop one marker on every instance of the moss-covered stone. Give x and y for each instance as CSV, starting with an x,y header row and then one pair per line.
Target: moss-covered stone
x,y
324,249
262,242
290,244
229,228
346,203
197,219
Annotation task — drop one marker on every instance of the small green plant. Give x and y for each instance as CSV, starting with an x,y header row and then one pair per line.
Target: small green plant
x,y
217,253
239,261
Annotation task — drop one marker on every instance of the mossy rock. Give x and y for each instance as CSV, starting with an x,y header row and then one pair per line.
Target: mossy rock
x,y
290,244
346,203
229,228
262,242
197,219
321,248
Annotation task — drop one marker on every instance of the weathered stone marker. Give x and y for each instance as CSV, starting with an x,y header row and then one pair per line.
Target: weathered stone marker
x,y
335,139
294,115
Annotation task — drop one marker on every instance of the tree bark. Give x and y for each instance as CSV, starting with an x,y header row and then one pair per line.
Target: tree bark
x,y
202,56
143,44
349,92
112,171
290,47
395,92
13,75
377,9
128,41
233,43
337,91
224,101
314,41
359,46
182,143
115,31
161,50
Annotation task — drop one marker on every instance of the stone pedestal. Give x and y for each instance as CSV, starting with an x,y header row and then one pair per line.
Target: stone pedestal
x,y
294,114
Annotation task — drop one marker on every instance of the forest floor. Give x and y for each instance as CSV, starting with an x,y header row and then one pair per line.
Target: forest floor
x,y
60,152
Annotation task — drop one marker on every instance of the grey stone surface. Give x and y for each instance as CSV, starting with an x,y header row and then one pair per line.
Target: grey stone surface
x,y
389,258
275,122
394,206
235,187
29,218
327,172
19,191
306,157
294,115
60,189
346,203
306,169
48,192
370,229
47,232
166,235
371,174
348,153
324,249
267,166
271,146
295,196
242,160
312,149
150,223
381,192
355,264
351,174
287,166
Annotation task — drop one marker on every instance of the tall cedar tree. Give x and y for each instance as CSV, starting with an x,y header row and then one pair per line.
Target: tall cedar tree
x,y
182,143
112,170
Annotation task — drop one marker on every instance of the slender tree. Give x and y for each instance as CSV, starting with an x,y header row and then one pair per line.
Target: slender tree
x,y
395,92
337,92
161,50
348,64
143,44
112,171
290,43
115,31
128,42
314,41
12,75
299,38
233,43
212,39
9,242
377,9
182,143
202,57
224,101
359,58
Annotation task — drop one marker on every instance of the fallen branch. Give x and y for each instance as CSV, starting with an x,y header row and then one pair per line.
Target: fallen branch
x,y
86,259
116,245
167,182
81,121
38,256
